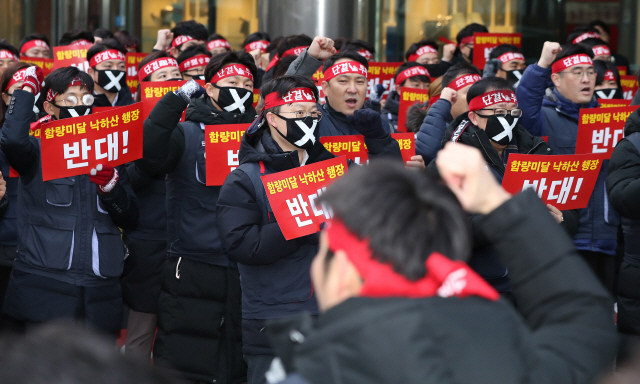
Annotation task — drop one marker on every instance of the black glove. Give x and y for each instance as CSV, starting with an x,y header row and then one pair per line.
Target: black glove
x,y
190,90
491,68
368,123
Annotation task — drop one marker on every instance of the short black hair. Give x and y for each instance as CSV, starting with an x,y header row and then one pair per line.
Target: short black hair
x,y
415,117
194,50
106,45
458,70
220,61
469,30
355,56
406,215
488,84
215,36
415,46
272,48
502,49
4,82
77,34
281,67
256,36
599,23
293,41
410,64
31,37
103,33
190,28
283,85
128,40
573,49
58,81
356,45
601,67
340,42
579,31
5,45
593,42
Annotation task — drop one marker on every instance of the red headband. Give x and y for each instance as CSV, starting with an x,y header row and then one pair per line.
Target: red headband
x,y
585,36
193,62
32,44
444,277
260,44
156,65
609,75
570,61
366,54
52,95
492,98
4,54
344,68
601,50
232,70
82,42
303,95
510,56
219,43
466,40
294,51
272,63
463,81
178,41
411,72
421,51
433,99
18,76
111,54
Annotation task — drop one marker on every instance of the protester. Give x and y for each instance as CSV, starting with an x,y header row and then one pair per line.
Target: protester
x,y
71,253
554,113
581,33
600,49
409,75
256,40
398,301
275,272
510,62
364,49
199,312
129,41
77,37
35,45
425,52
451,104
464,51
289,46
167,69
107,68
217,44
102,34
193,61
184,35
605,34
607,80
415,117
281,67
8,55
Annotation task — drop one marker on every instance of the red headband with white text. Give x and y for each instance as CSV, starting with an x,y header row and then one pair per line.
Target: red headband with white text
x,y
156,65
296,95
52,95
609,75
33,44
366,54
568,62
260,44
463,81
345,68
509,56
5,54
585,36
232,70
421,51
411,72
18,76
294,51
178,41
219,43
194,62
110,54
491,98
601,50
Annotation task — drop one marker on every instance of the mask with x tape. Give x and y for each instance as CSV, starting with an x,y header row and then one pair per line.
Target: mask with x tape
x,y
111,80
234,100
302,133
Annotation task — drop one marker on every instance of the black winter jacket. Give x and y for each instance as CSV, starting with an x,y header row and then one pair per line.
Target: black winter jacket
x,y
389,113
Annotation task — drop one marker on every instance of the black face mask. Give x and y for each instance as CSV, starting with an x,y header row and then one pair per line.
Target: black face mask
x,y
111,80
234,100
500,129
436,70
608,93
513,77
302,133
77,111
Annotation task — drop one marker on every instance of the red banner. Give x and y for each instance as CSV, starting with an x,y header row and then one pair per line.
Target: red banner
x,y
622,71
629,86
152,91
222,144
45,64
71,56
292,195
409,97
256,96
600,130
564,181
484,43
353,147
378,73
71,147
612,103
133,61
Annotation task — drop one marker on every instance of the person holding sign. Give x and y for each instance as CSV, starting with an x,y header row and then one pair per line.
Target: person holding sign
x,y
107,68
409,75
198,278
35,45
399,303
192,62
275,272
71,254
554,113
157,66
8,55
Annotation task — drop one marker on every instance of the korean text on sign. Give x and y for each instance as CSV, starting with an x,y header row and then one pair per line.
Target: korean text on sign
x,y
45,64
485,42
354,148
381,73
71,56
152,91
408,98
132,62
292,195
565,182
599,130
222,144
71,147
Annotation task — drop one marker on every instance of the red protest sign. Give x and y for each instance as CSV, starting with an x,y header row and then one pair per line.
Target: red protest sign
x,y
381,73
564,181
222,144
629,85
45,64
600,130
71,147
152,91
71,56
622,71
256,96
612,103
292,195
132,62
353,148
484,43
409,97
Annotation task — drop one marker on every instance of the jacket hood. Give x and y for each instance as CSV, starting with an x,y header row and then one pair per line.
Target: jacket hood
x,y
203,111
393,103
554,99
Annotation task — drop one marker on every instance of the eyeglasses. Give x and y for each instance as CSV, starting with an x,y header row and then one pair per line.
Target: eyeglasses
x,y
72,101
501,112
578,73
303,114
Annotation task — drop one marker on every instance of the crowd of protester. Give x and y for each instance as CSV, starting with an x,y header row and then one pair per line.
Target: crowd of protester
x,y
429,271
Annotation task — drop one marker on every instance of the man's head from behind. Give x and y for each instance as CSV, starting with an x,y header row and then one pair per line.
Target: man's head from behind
x,y
405,217
460,78
573,74
345,81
